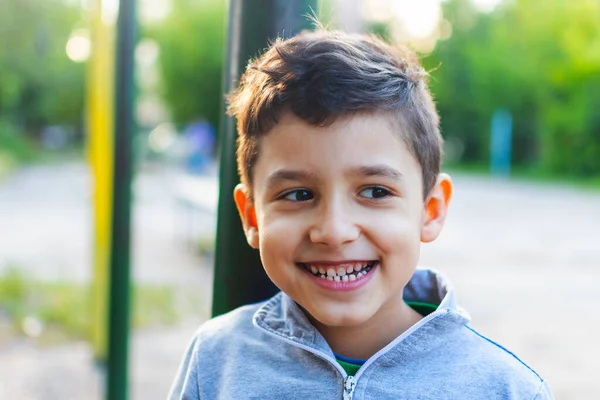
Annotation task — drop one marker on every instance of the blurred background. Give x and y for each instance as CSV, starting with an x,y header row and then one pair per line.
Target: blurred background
x,y
517,84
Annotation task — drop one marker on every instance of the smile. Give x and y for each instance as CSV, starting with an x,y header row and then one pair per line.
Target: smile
x,y
342,272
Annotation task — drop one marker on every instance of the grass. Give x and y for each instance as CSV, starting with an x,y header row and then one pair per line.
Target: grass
x,y
7,164
54,312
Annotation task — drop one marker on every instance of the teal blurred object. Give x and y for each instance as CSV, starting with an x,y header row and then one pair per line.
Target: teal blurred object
x,y
501,142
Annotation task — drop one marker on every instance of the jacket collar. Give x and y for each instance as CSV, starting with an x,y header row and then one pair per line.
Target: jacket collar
x,y
283,317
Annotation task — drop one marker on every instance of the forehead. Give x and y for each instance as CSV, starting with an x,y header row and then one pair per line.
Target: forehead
x,y
351,142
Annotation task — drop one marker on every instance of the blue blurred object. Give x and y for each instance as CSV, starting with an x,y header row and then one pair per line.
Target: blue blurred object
x,y
501,142
200,142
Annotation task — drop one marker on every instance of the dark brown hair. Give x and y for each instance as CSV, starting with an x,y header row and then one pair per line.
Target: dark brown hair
x,y
322,75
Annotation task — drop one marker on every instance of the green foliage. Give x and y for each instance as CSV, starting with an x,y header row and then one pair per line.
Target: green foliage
x,y
192,46
14,148
39,85
381,30
541,61
14,144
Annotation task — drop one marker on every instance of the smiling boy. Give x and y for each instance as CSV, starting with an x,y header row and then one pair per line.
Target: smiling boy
x,y
339,155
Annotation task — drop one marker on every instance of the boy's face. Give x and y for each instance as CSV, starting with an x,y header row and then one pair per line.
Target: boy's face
x,y
345,197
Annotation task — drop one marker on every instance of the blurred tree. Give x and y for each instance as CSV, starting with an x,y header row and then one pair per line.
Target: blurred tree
x,y
192,45
39,84
570,98
541,61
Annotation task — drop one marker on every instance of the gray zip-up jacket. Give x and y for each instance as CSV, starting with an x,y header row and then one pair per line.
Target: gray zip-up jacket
x,y
271,351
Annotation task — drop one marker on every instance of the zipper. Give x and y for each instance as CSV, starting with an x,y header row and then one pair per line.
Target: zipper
x,y
349,385
350,381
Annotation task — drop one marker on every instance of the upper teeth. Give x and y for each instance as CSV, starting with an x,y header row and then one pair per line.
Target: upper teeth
x,y
348,270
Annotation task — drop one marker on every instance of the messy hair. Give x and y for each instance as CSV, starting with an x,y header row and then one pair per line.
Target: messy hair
x,y
322,75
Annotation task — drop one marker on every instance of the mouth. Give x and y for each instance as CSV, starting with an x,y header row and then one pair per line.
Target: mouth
x,y
340,272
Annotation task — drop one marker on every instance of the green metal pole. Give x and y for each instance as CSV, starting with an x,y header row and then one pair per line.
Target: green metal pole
x,y
118,334
239,277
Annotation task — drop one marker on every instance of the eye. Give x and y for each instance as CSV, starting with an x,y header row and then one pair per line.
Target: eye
x,y
375,192
297,195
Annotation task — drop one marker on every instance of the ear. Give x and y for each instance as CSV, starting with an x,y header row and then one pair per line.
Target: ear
x,y
247,214
436,208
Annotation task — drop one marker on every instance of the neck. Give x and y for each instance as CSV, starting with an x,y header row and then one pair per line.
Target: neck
x,y
364,340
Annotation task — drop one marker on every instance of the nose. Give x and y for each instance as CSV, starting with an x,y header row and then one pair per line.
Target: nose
x,y
334,225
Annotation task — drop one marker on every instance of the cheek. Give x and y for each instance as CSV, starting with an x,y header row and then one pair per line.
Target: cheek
x,y
279,236
396,234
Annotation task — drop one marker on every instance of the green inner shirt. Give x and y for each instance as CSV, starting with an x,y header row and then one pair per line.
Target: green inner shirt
x,y
351,369
422,308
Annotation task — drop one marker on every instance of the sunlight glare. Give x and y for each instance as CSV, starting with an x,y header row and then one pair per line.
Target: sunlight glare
x,y
79,47
419,18
486,5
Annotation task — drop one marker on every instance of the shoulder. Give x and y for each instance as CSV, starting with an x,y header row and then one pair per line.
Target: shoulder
x,y
211,342
498,356
227,327
499,367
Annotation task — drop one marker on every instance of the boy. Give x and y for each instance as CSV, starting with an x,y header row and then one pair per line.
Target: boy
x,y
339,155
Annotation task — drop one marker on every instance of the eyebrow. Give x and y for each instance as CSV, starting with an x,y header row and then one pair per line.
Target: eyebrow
x,y
283,175
379,170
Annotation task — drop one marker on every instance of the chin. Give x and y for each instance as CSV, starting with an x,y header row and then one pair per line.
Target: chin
x,y
343,319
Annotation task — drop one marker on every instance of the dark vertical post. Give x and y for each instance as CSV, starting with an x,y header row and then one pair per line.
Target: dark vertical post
x,y
118,334
239,277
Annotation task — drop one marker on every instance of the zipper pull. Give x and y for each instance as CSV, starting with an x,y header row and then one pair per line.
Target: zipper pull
x,y
349,385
